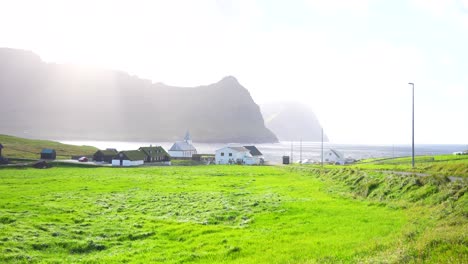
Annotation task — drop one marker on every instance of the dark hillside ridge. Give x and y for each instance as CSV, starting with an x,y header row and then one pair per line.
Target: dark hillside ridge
x,y
54,101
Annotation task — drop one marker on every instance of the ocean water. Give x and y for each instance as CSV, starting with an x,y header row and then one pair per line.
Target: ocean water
x,y
273,152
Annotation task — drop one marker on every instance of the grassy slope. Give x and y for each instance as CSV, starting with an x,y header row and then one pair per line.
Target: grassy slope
x,y
15,147
205,214
447,165
436,232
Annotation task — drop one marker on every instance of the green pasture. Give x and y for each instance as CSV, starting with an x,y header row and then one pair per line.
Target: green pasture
x,y
226,214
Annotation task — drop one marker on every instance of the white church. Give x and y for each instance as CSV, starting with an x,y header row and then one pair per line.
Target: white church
x,y
183,149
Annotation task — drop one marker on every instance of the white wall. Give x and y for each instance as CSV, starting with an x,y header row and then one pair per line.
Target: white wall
x,y
182,154
255,160
225,158
126,163
242,155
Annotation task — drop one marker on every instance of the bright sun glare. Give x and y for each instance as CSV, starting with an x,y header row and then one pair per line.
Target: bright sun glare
x,y
349,62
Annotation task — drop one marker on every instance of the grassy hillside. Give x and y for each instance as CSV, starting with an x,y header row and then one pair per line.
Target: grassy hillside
x,y
15,147
448,165
437,208
229,214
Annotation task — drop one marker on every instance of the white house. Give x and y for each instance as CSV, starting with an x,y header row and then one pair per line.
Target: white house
x,y
256,154
334,156
183,149
129,158
237,155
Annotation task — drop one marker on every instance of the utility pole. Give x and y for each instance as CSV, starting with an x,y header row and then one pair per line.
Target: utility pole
x,y
300,151
322,146
412,142
291,152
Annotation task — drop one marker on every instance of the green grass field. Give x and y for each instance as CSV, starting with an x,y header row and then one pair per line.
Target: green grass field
x,y
228,214
15,147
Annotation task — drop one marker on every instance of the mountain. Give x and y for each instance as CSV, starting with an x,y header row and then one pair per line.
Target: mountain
x,y
292,121
61,101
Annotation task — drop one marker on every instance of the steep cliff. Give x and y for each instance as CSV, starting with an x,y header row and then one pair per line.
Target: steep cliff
x,y
57,101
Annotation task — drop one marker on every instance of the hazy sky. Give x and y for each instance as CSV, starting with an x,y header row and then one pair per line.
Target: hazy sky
x,y
349,60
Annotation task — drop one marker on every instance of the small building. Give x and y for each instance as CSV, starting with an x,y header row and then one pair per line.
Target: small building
x,y
235,155
105,155
2,159
48,154
334,156
256,154
183,149
129,158
155,154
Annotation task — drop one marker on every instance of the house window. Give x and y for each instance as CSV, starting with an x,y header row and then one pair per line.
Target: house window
x,y
230,154
222,153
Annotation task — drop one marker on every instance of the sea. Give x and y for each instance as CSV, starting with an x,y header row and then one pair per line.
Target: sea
x,y
273,152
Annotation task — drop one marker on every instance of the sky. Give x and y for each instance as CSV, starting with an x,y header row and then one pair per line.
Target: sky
x,y
350,61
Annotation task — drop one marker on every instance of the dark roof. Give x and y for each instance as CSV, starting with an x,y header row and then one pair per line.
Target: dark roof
x,y
338,155
155,151
47,151
182,146
131,155
108,152
253,150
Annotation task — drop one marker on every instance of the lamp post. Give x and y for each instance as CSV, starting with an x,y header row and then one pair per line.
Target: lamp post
x,y
412,144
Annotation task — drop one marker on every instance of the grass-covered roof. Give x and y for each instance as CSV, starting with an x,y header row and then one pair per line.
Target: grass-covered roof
x,y
132,155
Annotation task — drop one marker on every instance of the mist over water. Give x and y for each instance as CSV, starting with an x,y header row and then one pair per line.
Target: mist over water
x,y
273,152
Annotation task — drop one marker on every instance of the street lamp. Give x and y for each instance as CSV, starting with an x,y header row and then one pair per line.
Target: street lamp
x,y
412,144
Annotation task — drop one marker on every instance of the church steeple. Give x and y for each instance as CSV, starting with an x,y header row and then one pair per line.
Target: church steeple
x,y
188,138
